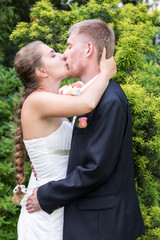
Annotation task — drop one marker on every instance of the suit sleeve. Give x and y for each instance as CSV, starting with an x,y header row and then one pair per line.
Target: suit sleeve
x,y
101,156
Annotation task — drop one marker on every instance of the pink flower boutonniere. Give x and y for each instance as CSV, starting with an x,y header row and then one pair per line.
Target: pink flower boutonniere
x,y
81,122
71,89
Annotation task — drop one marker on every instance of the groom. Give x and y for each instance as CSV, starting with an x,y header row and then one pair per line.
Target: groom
x,y
99,192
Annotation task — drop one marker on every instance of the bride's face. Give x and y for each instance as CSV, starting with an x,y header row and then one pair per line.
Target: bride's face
x,y
53,63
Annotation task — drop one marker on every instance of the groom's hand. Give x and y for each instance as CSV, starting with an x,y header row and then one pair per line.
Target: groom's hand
x,y
32,204
33,171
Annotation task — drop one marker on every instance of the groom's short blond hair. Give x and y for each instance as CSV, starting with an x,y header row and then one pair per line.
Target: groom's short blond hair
x,y
98,32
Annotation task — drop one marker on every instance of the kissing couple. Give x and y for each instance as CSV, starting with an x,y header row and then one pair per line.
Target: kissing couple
x,y
84,187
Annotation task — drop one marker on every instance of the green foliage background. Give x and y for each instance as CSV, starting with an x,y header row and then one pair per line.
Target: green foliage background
x,y
138,73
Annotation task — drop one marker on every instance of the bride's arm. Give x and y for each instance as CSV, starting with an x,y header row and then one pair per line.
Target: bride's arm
x,y
49,104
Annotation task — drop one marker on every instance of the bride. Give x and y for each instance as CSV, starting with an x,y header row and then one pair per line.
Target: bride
x,y
44,131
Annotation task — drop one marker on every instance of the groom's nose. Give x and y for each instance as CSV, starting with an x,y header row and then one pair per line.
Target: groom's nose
x,y
65,54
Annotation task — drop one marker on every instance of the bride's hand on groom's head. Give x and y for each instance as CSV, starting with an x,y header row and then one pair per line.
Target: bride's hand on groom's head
x,y
107,66
32,204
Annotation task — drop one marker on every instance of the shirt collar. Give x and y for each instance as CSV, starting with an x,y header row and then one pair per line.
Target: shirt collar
x,y
87,85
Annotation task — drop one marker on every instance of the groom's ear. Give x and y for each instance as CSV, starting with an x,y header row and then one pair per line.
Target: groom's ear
x,y
90,48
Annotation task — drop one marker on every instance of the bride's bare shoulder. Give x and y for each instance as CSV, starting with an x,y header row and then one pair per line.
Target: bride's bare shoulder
x,y
37,97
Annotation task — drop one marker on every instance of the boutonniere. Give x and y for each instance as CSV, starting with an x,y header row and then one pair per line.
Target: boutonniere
x,y
81,122
71,89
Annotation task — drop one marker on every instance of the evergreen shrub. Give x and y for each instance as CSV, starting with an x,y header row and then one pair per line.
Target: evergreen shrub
x,y
138,74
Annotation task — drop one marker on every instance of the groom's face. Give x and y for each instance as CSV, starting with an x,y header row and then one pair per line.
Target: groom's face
x,y
75,55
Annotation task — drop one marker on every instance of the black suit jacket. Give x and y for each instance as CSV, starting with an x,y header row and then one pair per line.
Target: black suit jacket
x,y
99,192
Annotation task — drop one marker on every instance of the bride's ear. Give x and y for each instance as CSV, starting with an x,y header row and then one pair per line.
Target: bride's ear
x,y
41,72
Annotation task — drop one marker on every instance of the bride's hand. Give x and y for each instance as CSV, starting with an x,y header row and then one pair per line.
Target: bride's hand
x,y
107,66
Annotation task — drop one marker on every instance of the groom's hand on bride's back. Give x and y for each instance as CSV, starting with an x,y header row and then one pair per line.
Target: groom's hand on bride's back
x,y
33,171
32,204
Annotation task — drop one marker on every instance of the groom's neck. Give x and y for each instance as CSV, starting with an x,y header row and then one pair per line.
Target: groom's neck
x,y
92,69
88,76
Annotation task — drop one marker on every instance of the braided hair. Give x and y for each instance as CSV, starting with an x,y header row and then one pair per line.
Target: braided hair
x,y
26,61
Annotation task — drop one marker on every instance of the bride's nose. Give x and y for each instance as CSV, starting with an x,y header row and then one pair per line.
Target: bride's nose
x,y
63,57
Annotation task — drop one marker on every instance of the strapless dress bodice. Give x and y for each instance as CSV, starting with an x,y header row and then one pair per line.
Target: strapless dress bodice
x,y
49,155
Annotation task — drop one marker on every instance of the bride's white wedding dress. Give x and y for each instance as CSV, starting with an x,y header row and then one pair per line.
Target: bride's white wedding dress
x,y
49,156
